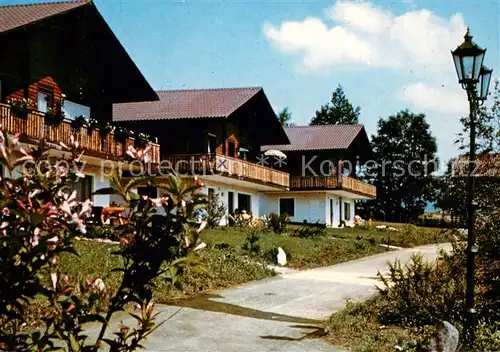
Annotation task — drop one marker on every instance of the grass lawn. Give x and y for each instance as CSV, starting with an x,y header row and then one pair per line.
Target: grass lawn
x,y
302,253
357,329
405,235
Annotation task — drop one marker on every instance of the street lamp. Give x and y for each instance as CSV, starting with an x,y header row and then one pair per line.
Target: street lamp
x,y
468,58
484,83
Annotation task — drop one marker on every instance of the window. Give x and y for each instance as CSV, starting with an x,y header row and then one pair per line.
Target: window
x,y
347,211
83,188
45,99
287,206
244,202
73,110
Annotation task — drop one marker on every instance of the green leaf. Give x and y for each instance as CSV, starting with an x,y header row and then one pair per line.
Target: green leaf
x,y
105,191
75,346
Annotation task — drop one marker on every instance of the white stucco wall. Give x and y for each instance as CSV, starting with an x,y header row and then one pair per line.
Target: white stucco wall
x,y
308,207
311,206
223,191
98,183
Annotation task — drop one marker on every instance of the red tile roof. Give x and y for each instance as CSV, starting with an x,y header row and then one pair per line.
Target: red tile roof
x,y
319,137
186,104
14,16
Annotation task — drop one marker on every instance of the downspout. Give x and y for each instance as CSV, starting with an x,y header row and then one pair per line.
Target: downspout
x,y
340,212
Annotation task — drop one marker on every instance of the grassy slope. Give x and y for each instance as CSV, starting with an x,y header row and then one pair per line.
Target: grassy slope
x,y
301,252
404,236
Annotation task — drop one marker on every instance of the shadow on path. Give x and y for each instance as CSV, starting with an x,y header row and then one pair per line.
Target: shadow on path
x,y
206,302
317,333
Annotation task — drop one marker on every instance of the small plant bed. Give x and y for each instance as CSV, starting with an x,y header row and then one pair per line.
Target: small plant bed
x,y
302,253
413,301
400,235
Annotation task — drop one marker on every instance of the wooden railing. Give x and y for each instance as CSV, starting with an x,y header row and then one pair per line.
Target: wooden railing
x,y
357,186
332,182
34,128
221,164
314,182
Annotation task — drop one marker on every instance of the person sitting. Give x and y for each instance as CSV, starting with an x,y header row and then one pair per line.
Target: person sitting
x,y
358,220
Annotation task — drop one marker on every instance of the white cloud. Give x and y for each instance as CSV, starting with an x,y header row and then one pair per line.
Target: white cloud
x,y
368,35
439,99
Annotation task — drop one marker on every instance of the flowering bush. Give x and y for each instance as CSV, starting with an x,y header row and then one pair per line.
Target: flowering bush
x,y
40,218
21,104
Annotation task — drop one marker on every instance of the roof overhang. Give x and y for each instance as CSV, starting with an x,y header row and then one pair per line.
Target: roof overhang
x,y
97,52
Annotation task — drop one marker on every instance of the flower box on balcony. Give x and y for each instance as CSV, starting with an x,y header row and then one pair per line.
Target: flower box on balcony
x,y
121,134
21,107
78,123
54,117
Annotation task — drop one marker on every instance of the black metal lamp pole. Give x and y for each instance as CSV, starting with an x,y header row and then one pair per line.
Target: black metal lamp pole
x,y
471,313
468,59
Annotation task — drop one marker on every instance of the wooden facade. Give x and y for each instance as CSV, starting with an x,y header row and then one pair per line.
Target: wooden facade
x,y
69,56
34,129
318,170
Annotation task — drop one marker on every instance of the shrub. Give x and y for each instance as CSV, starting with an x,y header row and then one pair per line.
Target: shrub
x,y
309,231
40,220
278,223
251,244
421,293
104,232
216,210
488,337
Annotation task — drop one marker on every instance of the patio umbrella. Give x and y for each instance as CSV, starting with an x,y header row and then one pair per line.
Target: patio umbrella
x,y
276,153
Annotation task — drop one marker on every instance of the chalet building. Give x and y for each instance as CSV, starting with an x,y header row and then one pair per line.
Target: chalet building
x,y
221,134
322,162
66,74
217,134
61,65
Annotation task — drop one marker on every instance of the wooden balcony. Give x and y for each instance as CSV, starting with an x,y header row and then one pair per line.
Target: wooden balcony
x,y
217,164
333,183
33,129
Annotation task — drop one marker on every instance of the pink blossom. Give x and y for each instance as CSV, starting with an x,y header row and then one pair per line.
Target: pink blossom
x,y
36,237
158,202
86,208
15,138
80,225
34,193
202,226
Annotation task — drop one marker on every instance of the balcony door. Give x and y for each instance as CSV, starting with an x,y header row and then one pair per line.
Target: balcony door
x,y
230,202
231,148
212,144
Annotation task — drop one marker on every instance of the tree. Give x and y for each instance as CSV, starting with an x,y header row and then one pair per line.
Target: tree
x,y
405,158
338,111
285,117
451,191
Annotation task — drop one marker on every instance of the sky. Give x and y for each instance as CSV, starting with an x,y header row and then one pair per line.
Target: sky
x,y
387,55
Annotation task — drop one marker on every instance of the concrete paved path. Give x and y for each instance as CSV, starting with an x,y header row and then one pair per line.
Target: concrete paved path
x,y
284,313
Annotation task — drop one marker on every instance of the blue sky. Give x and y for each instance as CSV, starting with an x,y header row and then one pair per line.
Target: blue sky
x,y
388,55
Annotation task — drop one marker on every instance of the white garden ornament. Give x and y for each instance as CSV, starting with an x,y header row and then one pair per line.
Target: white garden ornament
x,y
281,257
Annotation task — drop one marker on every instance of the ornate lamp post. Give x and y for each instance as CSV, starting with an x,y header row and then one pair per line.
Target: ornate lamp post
x,y
473,76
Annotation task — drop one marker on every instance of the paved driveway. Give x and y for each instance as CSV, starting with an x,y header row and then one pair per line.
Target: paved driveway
x,y
284,313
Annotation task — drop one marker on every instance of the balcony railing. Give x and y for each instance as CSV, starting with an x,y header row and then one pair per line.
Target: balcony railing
x,y
217,164
33,128
333,183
